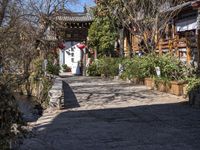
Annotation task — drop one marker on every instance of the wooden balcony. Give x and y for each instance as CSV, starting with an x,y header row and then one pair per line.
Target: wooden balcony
x,y
177,47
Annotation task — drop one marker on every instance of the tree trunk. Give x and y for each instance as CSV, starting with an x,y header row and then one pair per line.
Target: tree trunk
x,y
27,75
198,40
3,7
129,42
121,38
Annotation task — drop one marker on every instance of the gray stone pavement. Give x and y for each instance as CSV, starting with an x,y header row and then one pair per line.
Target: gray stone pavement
x,y
112,115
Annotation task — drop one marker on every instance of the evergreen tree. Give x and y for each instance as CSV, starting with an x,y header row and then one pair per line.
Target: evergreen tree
x,y
102,35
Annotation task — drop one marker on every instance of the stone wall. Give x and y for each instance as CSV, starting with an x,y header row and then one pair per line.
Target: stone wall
x,y
56,94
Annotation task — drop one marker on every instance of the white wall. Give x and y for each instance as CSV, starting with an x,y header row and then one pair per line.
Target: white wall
x,y
71,56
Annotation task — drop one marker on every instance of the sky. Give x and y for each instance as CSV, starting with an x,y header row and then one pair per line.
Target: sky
x,y
79,6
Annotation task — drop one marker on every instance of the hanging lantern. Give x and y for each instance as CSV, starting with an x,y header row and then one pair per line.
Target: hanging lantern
x,y
81,46
61,46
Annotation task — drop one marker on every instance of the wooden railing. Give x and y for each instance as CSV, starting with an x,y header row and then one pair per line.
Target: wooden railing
x,y
177,47
181,48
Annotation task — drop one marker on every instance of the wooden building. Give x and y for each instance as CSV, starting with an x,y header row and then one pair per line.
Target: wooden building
x,y
70,28
180,38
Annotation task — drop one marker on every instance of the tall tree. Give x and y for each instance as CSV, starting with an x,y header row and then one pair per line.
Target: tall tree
x,y
102,35
144,18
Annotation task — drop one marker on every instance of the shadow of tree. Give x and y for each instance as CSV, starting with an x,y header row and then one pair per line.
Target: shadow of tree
x,y
156,127
70,100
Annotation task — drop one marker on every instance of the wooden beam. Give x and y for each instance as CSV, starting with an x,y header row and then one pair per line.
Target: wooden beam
x,y
160,47
198,37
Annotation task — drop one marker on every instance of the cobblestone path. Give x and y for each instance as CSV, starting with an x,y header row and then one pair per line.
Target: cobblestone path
x,y
112,115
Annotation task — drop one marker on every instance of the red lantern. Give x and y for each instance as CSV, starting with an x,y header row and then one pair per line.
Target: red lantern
x,y
61,46
81,46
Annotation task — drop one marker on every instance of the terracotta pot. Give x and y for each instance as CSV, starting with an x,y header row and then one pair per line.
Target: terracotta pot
x,y
149,82
177,88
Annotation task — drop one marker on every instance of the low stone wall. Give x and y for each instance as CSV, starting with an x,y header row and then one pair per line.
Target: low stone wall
x,y
56,94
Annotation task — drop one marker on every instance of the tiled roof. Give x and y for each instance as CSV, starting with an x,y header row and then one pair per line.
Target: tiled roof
x,y
68,16
83,18
181,6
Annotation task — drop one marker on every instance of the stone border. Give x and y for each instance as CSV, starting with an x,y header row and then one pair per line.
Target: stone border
x,y
56,94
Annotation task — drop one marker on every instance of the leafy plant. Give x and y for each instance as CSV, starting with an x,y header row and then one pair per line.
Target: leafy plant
x,y
164,81
102,35
9,112
107,66
193,84
139,67
53,69
66,68
93,69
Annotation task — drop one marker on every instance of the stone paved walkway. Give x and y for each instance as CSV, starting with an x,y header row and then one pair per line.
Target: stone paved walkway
x,y
111,115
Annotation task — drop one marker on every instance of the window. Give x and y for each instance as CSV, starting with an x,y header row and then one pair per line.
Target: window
x,y
72,60
72,54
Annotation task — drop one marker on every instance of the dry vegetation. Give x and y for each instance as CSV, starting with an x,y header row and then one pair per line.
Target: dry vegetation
x,y
23,27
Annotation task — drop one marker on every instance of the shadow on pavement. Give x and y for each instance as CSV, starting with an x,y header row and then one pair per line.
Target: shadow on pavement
x,y
70,100
155,127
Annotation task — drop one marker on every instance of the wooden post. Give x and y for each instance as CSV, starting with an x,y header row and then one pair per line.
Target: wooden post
x,y
196,5
170,46
160,47
176,46
198,37
121,34
188,51
129,43
188,55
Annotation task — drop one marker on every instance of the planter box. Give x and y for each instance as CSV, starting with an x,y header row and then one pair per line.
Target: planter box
x,y
149,82
177,88
137,81
162,87
67,70
185,90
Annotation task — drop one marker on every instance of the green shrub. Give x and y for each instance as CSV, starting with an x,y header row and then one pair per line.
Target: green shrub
x,y
139,67
53,69
107,66
193,84
66,68
171,67
9,112
93,69
44,98
143,67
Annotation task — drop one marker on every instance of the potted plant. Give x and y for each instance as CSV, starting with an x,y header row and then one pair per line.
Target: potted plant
x,y
149,82
162,84
174,71
66,68
177,87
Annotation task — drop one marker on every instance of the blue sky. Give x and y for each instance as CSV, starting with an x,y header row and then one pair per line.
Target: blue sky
x,y
79,6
